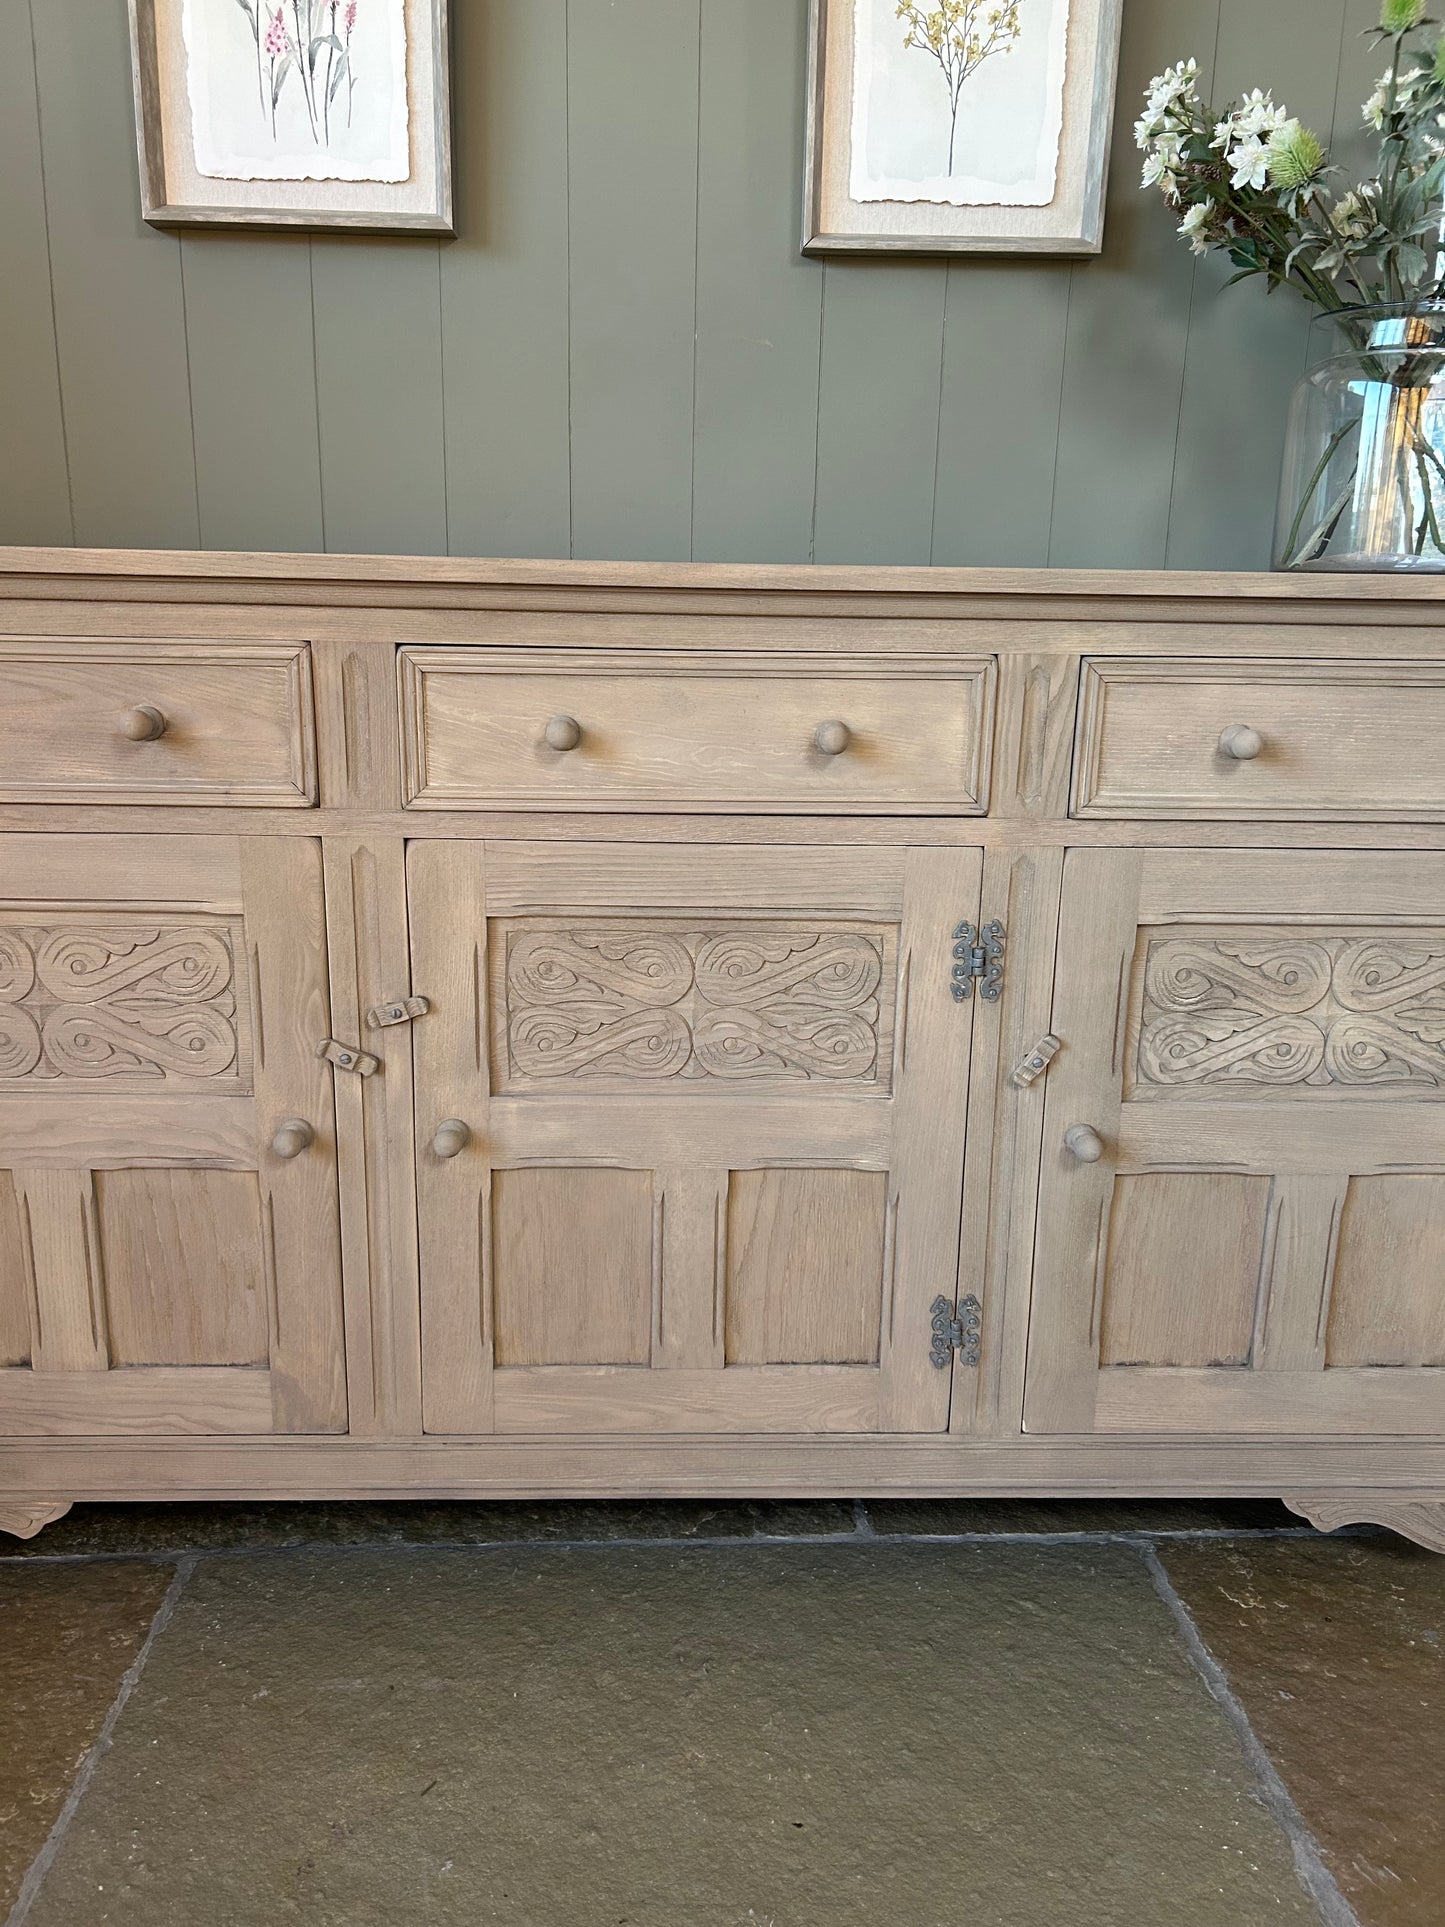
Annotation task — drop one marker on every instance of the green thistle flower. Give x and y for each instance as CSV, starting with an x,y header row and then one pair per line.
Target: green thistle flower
x,y
1401,16
1295,157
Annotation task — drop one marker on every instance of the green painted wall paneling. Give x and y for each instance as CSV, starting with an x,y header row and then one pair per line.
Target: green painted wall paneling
x,y
623,353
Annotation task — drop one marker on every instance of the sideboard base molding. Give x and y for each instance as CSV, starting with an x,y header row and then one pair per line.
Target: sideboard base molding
x,y
1391,1482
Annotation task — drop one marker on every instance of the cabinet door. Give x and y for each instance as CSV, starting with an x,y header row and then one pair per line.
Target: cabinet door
x,y
162,1267
716,1103
1256,1041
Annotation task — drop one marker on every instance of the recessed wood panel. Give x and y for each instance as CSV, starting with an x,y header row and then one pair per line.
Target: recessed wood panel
x,y
805,1258
14,1280
1183,1269
572,1266
184,1267
1388,1302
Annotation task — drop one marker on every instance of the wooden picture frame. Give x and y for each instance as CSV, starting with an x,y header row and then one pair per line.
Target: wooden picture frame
x,y
414,128
1078,74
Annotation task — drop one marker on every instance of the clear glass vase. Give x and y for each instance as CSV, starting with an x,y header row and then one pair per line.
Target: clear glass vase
x,y
1364,460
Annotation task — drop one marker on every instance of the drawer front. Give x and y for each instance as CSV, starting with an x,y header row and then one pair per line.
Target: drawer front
x,y
1269,739
155,722
682,732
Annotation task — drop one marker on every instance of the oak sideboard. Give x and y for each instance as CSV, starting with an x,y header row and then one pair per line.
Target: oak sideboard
x,y
523,1029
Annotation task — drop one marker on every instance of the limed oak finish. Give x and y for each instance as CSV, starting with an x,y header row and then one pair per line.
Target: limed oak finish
x,y
515,1029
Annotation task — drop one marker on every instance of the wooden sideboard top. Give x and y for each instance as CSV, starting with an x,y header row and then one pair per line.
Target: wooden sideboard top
x,y
711,587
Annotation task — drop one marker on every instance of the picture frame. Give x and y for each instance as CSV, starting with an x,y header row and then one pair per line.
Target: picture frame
x,y
908,140
305,114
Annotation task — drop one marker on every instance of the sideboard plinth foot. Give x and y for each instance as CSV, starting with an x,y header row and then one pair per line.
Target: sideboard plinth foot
x,y
1422,1520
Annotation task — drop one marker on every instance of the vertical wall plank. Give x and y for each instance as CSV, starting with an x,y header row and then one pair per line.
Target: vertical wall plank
x,y
998,428
878,410
119,302
504,283
253,391
625,328
1246,345
759,302
379,394
632,77
1128,328
34,490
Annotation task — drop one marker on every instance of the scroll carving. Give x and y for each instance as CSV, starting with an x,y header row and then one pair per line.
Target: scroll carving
x,y
775,1001
142,1001
1284,1010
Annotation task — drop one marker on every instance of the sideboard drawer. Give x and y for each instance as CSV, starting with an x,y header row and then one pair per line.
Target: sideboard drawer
x,y
1168,737
157,722
564,729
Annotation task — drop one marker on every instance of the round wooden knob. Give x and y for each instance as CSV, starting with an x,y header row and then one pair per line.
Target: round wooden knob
x,y
143,723
1084,1143
562,732
831,739
292,1138
1241,742
452,1137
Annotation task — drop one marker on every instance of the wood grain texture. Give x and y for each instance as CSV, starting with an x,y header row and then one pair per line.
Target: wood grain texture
x,y
134,1404
757,1399
17,1292
286,937
1183,1267
62,1252
1340,739
1206,1297
34,483
1387,1306
183,1268
447,911
788,1234
728,733
369,959
632,250
1422,1521
571,1271
1251,1404
237,723
1363,1470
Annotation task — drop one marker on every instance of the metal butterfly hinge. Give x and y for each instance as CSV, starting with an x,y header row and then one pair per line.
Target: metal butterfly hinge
x,y
978,959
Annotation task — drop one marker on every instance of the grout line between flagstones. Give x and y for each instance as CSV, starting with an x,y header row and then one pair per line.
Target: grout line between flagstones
x,y
1315,1877
40,1866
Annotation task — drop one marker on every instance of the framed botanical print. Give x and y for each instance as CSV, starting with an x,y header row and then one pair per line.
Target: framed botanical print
x,y
969,126
293,113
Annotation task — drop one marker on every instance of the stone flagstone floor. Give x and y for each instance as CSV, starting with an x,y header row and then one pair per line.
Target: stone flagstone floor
x,y
695,1715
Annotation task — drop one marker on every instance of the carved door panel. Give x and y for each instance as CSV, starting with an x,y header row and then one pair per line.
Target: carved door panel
x,y
162,1268
704,1115
1242,1215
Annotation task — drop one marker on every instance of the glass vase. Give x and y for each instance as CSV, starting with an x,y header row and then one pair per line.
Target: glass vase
x,y
1364,462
